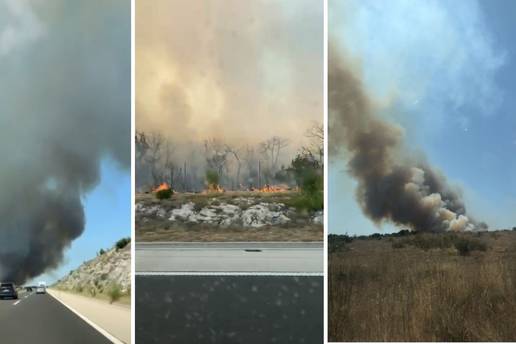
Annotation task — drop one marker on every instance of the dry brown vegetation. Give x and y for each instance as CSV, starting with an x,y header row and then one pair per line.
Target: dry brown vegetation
x,y
386,289
313,233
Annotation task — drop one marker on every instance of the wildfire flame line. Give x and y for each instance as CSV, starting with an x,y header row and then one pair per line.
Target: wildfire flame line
x,y
271,188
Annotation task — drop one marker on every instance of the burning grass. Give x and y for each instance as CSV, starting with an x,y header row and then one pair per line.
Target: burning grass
x,y
180,198
381,293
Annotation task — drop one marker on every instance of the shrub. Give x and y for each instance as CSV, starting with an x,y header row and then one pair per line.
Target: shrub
x,y
164,194
339,238
376,236
309,202
101,252
212,178
398,244
428,241
466,246
309,177
403,232
120,244
114,293
337,242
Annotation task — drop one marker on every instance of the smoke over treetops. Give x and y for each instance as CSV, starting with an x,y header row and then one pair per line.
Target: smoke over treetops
x,y
241,71
392,184
65,96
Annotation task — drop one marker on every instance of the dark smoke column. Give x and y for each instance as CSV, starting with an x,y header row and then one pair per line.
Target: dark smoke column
x,y
392,186
65,96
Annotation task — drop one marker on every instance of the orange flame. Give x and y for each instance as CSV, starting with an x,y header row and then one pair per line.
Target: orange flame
x,y
214,188
162,186
272,188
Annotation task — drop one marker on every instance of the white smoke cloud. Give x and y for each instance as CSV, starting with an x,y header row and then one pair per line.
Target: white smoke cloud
x,y
20,25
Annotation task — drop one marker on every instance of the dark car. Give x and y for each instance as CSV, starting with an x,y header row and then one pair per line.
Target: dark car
x,y
8,290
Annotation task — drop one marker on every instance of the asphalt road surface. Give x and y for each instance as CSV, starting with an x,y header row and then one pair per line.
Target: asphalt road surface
x,y
39,318
229,309
273,257
229,293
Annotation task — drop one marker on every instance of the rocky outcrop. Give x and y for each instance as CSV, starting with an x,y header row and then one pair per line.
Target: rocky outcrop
x,y
109,269
241,212
318,218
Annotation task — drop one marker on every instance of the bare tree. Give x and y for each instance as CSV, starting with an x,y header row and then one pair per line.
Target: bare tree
x,y
315,147
216,155
155,143
141,146
168,162
235,152
251,163
271,149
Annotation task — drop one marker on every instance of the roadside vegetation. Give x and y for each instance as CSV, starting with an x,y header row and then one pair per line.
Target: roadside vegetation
x,y
423,287
122,243
114,293
159,228
106,277
164,194
308,173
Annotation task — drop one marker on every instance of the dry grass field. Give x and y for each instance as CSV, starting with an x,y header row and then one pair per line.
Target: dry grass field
x,y
422,288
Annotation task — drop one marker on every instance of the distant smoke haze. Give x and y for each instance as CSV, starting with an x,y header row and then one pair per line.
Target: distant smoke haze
x,y
393,185
65,96
240,71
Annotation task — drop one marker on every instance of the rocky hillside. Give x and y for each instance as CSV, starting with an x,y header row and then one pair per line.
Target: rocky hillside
x,y
236,210
226,216
108,273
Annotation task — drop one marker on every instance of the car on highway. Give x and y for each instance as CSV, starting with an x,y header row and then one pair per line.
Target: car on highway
x,y
41,288
8,290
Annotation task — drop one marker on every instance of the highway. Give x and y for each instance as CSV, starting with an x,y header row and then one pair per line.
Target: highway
x,y
253,257
229,293
39,318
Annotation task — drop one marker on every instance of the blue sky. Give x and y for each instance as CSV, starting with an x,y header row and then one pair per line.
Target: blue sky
x,y
445,71
108,219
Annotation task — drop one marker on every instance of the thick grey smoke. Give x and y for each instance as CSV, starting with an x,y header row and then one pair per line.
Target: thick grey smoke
x,y
65,106
392,185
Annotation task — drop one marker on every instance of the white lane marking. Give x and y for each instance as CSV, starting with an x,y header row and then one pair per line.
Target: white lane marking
x,y
91,323
17,302
230,243
287,246
226,273
262,249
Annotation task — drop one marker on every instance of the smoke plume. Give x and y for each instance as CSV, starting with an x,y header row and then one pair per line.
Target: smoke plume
x,y
65,96
392,184
232,70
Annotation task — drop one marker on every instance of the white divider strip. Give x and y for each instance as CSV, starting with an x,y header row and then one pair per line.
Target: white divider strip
x,y
89,322
186,273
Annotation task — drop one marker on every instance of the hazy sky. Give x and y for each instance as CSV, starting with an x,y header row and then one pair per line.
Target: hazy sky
x,y
444,71
241,70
